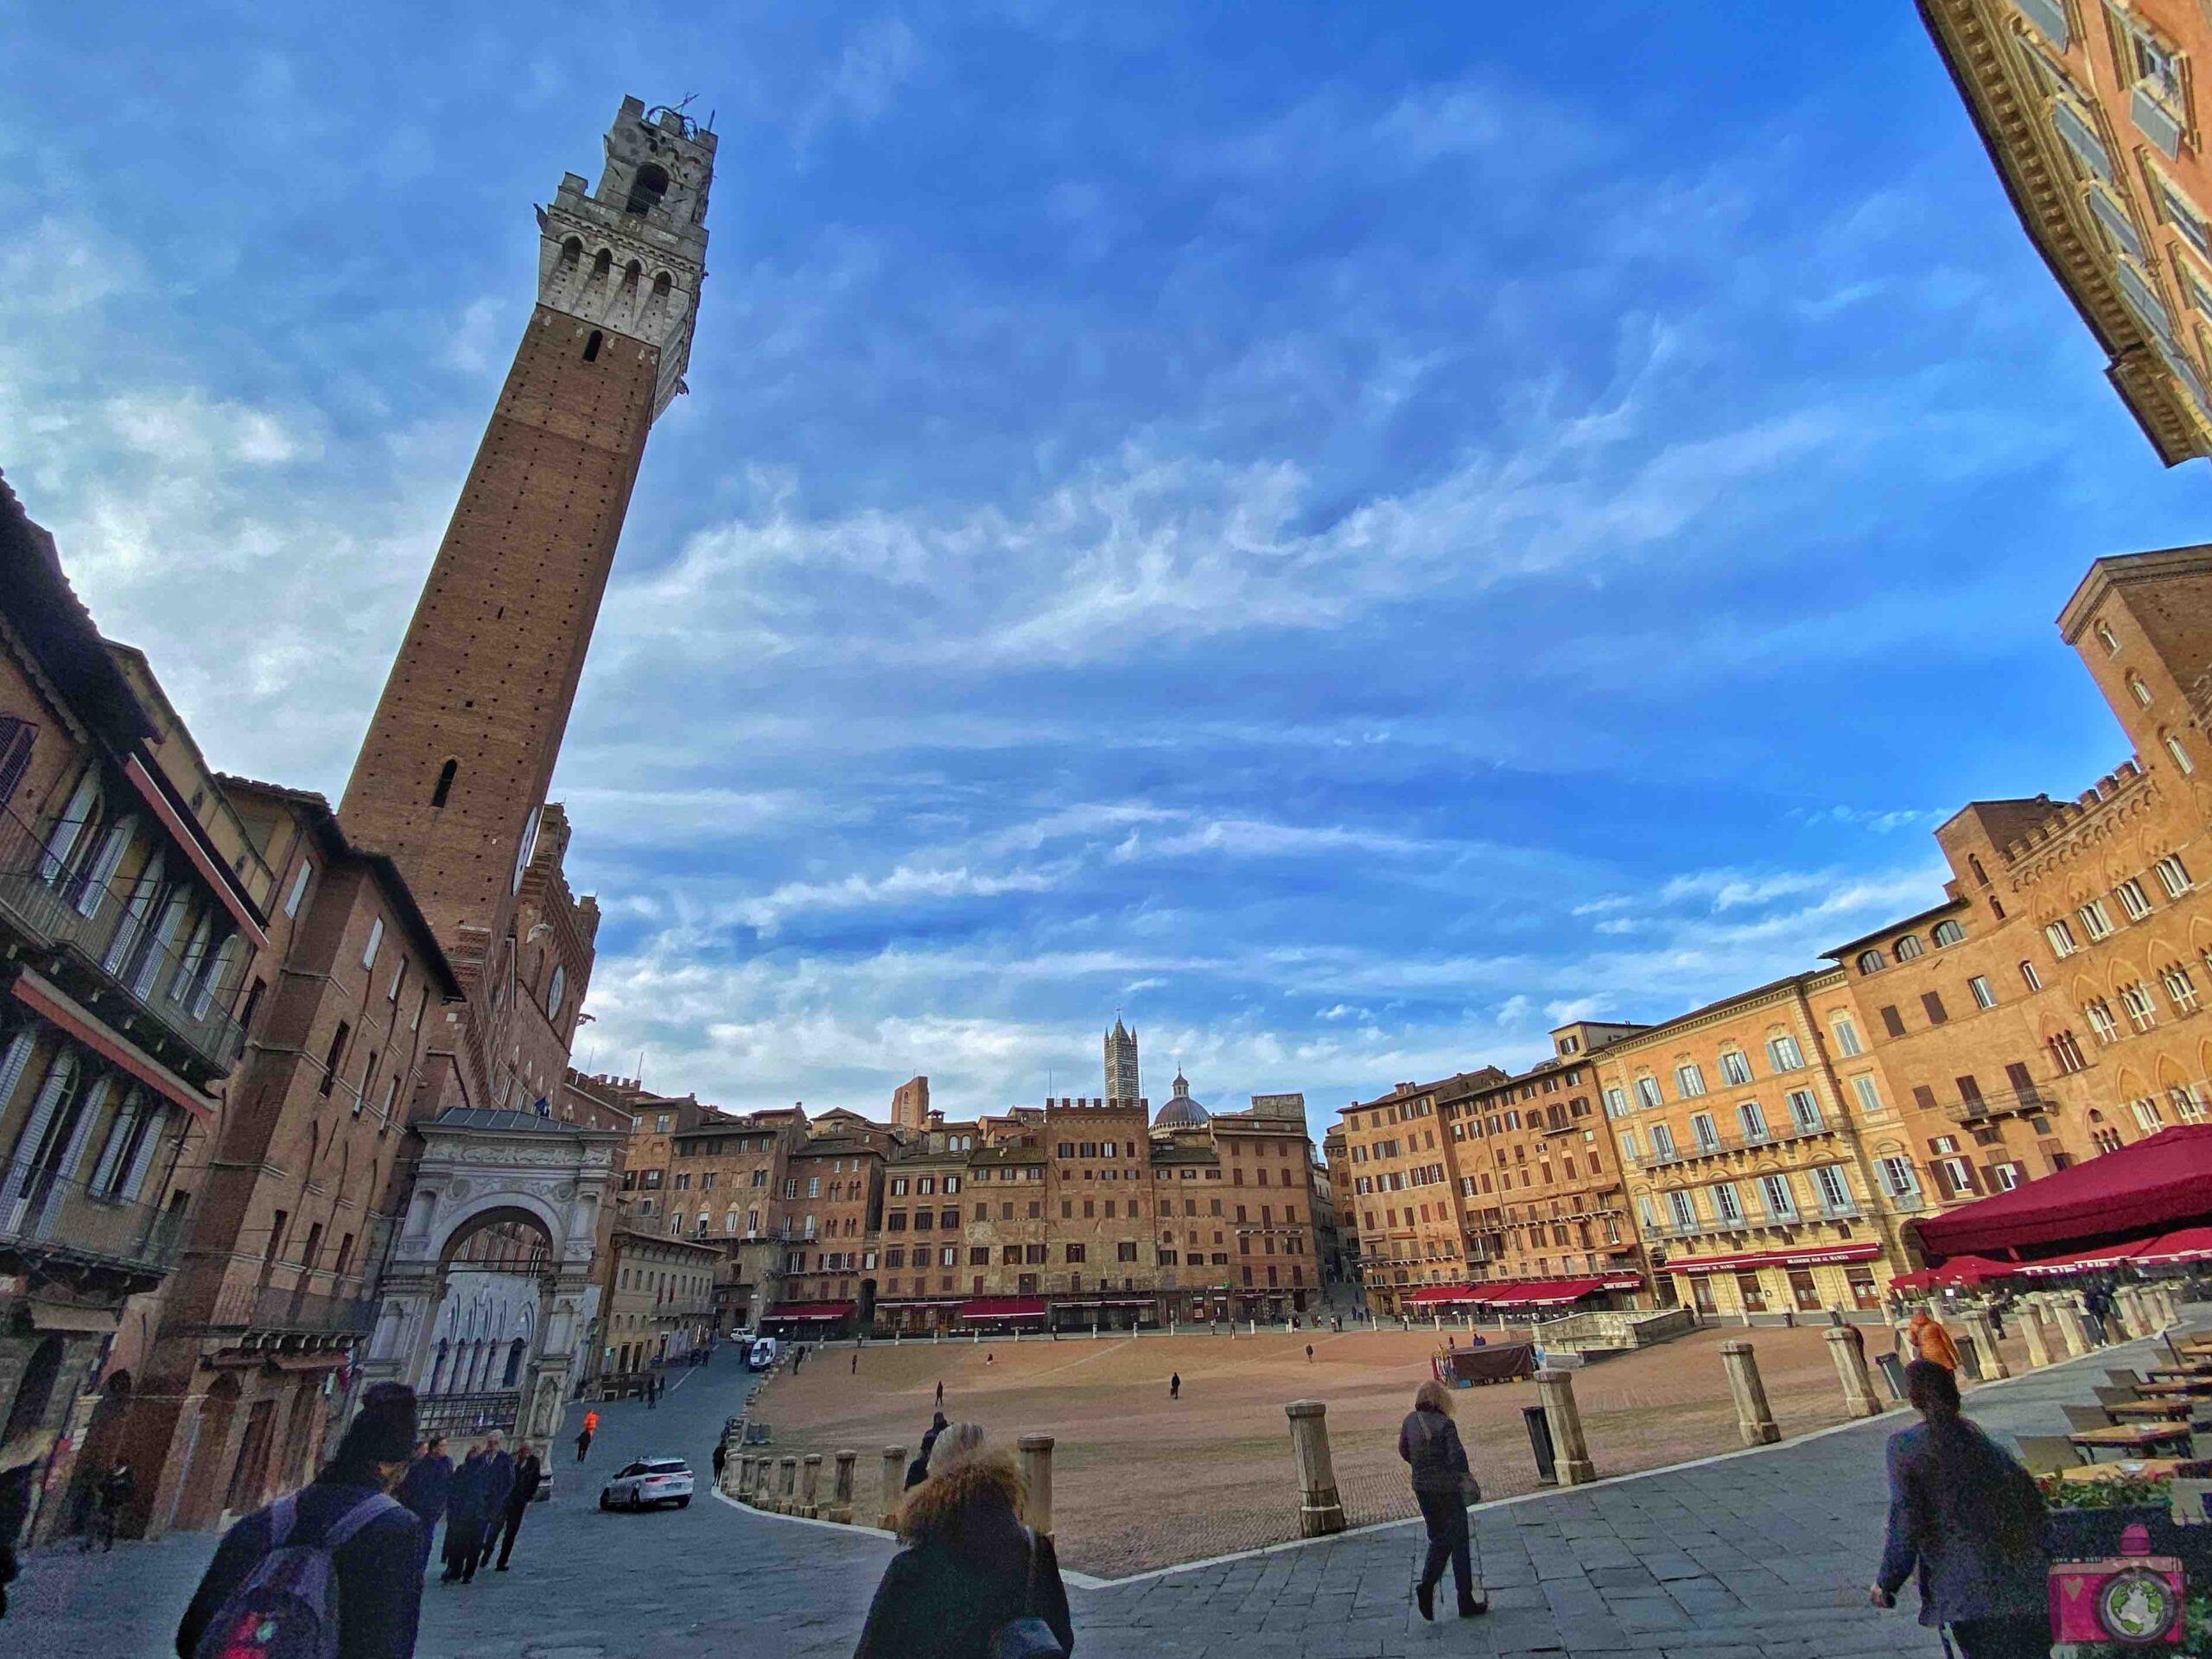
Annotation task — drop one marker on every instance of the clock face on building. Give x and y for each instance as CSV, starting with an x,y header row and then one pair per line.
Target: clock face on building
x,y
2136,1606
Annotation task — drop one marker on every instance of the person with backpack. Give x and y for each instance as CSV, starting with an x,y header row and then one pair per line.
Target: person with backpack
x,y
972,1581
1971,1519
530,1474
424,1488
583,1438
329,1571
1443,1486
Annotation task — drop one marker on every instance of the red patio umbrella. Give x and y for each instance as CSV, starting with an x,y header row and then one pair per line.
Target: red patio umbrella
x,y
2164,1180
1973,1270
2186,1244
1919,1279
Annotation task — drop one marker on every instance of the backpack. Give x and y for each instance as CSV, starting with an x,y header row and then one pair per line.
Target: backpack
x,y
1025,1636
288,1606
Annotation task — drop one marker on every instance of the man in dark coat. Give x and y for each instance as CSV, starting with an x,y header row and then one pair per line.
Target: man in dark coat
x,y
425,1487
378,1580
530,1474
467,1512
499,1487
918,1470
116,1488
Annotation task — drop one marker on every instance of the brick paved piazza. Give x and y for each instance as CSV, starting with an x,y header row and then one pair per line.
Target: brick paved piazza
x,y
1761,1555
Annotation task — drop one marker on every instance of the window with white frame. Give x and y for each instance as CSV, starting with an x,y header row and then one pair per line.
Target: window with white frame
x,y
1628,1145
1662,1140
1947,932
2028,977
2179,755
2106,1028
1703,1132
1835,1190
2146,1112
2005,1176
2142,1013
1847,1037
1689,1081
1735,1067
299,889
1615,1103
1805,1110
2096,920
1647,1092
1785,1053
2173,876
2061,935
1753,1117
1870,962
2188,1104
1728,1203
2106,638
1644,1212
1683,1212
1899,1178
2133,899
2180,989
1907,948
1774,1192
1983,996
1869,1097
2079,133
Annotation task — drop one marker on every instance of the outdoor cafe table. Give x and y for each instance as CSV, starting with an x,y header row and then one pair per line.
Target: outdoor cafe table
x,y
2176,1385
2125,1469
2149,1408
2197,1371
2131,1437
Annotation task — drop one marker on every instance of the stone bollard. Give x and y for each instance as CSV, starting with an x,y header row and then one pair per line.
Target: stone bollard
x,y
841,1487
810,1486
745,1480
2162,1311
786,1485
1037,1482
1752,1416
2032,1332
1985,1338
1849,1352
1570,1451
2071,1331
895,1483
1320,1512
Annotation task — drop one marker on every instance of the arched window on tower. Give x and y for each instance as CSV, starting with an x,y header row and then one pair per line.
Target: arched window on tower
x,y
445,782
592,345
646,190
572,255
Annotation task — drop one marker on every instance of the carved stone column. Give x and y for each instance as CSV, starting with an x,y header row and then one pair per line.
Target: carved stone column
x,y
1753,1416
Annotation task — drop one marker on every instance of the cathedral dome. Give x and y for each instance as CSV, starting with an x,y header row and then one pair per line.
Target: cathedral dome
x,y
1181,1112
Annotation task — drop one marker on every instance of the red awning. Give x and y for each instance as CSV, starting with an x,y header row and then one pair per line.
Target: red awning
x,y
1973,1270
1919,1279
2188,1244
1814,1255
808,1311
2162,1180
2110,1256
1432,1295
34,992
1004,1308
1547,1293
883,1302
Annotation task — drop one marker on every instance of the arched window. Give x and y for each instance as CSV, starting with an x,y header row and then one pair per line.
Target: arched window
x,y
592,345
515,1353
1907,947
2028,977
1871,962
647,189
662,283
602,263
556,988
572,255
1947,932
2180,755
445,782
2138,691
1973,863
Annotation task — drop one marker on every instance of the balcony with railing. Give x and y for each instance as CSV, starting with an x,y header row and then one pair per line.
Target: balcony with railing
x,y
43,1216
2004,1102
1722,1145
137,965
273,1311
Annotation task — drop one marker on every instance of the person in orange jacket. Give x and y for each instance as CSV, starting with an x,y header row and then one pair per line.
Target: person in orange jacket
x,y
1930,1341
583,1439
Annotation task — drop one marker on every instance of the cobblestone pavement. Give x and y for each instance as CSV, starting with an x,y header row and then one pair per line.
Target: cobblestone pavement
x,y
1764,1556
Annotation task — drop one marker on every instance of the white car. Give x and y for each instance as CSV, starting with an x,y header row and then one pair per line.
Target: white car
x,y
647,1483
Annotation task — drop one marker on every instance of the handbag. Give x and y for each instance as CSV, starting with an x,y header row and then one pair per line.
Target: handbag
x,y
1025,1636
1470,1490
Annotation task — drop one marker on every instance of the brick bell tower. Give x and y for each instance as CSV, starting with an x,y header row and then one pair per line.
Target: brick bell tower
x,y
452,774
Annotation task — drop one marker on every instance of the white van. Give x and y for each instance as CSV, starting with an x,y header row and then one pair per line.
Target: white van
x,y
762,1354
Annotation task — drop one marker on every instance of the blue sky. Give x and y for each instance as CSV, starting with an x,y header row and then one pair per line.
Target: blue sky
x,y
1348,534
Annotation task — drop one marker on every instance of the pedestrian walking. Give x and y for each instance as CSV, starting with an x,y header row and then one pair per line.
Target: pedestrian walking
x,y
530,1475
856,1362
1175,1385
798,1359
1930,1340
721,1459
1309,1353
263,1592
653,1392
499,1487
583,1436
971,1580
1970,1519
465,1515
918,1470
940,1394
112,1496
425,1489
1443,1485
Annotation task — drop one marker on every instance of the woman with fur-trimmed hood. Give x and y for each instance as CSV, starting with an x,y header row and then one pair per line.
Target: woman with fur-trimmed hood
x,y
969,1566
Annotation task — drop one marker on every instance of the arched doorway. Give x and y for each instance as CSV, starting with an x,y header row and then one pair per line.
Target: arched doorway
x,y
102,1440
196,1509
250,1474
26,1415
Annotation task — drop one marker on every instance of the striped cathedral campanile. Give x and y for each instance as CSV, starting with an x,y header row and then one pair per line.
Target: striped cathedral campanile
x,y
453,773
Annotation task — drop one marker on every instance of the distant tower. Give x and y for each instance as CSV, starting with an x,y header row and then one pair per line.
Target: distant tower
x,y
1121,1081
453,773
910,1104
